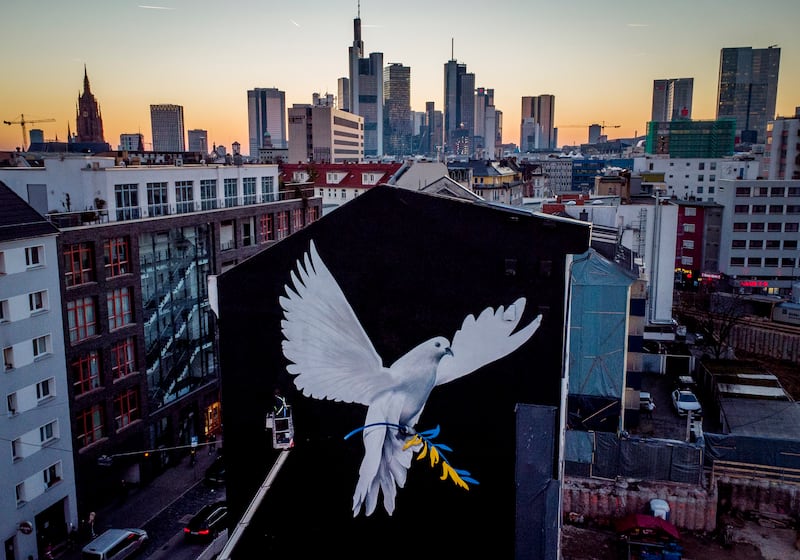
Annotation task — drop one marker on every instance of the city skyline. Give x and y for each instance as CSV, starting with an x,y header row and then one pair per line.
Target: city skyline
x,y
598,61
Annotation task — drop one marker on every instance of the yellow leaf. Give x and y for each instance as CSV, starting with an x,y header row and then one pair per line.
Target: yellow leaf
x,y
434,455
412,442
423,452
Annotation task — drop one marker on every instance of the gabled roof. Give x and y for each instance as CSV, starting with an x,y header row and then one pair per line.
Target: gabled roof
x,y
18,220
352,171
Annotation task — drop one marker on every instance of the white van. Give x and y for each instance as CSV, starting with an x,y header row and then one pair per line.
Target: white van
x,y
114,544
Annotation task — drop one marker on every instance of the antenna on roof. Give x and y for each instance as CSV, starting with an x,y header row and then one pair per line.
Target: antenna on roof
x,y
452,56
359,9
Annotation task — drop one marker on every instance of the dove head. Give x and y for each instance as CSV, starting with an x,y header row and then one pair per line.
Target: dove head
x,y
441,347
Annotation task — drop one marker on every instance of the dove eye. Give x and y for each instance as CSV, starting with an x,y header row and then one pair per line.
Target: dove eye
x,y
437,344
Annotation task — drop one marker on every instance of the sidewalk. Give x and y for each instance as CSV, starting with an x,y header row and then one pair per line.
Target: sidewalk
x,y
145,502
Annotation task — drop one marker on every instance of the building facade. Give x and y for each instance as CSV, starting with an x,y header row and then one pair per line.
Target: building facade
x,y
672,99
166,122
131,142
539,112
141,348
325,134
760,235
691,139
39,503
698,241
89,120
782,153
397,110
266,118
198,141
747,90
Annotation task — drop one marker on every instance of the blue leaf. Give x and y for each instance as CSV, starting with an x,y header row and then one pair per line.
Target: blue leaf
x,y
441,446
430,434
470,480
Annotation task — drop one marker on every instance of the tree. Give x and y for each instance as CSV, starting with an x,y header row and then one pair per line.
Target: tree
x,y
713,315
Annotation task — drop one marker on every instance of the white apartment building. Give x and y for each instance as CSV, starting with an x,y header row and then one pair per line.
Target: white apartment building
x,y
38,502
696,178
782,152
325,134
760,234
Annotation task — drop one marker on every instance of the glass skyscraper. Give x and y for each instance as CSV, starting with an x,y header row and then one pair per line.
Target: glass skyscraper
x,y
266,119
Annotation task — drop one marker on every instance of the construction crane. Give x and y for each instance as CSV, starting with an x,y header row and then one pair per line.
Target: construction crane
x,y
22,122
602,126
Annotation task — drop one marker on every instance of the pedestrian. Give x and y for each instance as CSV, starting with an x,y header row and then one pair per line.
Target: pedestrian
x,y
280,407
213,445
92,516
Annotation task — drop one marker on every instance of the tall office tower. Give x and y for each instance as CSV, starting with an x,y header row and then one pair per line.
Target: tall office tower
x,y
431,134
366,91
89,120
324,134
166,121
198,140
397,109
595,132
459,107
748,89
131,141
541,109
672,99
266,115
485,139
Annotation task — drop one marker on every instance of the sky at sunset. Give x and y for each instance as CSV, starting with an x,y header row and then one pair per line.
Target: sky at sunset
x,y
599,59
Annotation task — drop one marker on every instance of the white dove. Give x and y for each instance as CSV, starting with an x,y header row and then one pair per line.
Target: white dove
x,y
332,358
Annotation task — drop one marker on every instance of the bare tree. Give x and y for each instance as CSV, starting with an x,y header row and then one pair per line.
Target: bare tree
x,y
713,315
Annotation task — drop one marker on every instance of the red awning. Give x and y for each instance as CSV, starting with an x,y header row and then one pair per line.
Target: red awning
x,y
641,524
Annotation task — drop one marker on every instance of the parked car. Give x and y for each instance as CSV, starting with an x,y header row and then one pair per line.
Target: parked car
x,y
114,544
215,473
207,523
685,401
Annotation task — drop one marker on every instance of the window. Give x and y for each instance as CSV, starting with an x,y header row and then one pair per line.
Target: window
x,y
759,208
741,209
16,449
700,178
119,308
283,224
249,190
116,256
700,190
792,209
711,189
126,408
742,191
760,191
231,193
265,230
771,262
712,166
8,357
774,226
268,189
787,262
756,243
48,432
78,264
127,199
687,261
123,358
184,197
46,389
688,228
701,165
157,204
344,194
738,244
41,346
208,194
773,244
757,226
81,319
793,191
297,219
790,244
690,211
20,493
85,371
754,261
740,226
737,261
11,403
34,256
37,301
4,316
52,474
712,177
89,425
688,244
777,191
791,226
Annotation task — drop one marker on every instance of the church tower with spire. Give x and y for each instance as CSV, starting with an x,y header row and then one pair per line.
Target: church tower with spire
x,y
89,120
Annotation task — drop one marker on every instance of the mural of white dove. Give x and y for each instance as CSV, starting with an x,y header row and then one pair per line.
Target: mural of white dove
x,y
333,358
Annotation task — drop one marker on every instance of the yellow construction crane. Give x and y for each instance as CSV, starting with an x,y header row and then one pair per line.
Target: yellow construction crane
x,y
602,126
22,122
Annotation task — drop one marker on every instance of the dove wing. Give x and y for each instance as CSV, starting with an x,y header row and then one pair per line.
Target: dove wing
x,y
484,340
329,351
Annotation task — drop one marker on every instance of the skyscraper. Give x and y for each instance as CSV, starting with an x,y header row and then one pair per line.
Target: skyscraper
x,y
486,124
672,99
748,89
397,109
459,107
366,91
266,115
538,117
166,122
198,141
89,121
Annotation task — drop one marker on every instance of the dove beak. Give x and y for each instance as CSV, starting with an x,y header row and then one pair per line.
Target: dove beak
x,y
448,351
